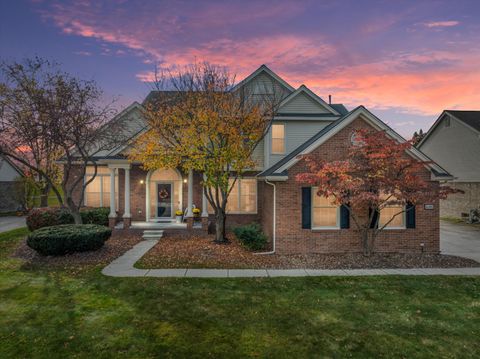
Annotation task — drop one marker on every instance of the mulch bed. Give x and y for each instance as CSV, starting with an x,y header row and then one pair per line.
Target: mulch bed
x,y
181,250
118,244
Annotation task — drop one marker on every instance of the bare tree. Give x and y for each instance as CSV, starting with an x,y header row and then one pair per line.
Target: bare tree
x,y
50,118
206,123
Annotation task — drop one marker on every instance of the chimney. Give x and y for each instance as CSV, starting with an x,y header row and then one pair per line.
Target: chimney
x,y
329,99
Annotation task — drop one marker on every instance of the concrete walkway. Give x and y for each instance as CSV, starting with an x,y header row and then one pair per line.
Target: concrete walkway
x,y
123,267
11,222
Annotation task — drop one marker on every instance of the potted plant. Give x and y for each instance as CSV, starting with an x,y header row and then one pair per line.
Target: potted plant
x,y
196,212
178,216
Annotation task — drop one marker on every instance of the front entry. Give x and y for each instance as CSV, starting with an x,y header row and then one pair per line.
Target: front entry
x,y
164,200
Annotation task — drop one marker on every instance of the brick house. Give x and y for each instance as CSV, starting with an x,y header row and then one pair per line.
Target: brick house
x,y
453,142
293,218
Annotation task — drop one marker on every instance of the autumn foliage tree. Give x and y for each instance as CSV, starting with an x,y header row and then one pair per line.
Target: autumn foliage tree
x,y
377,173
206,124
55,125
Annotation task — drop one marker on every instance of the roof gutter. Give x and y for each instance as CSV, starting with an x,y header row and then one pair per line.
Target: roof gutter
x,y
274,218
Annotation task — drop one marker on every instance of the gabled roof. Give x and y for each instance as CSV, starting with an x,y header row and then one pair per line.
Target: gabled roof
x,y
264,68
469,118
305,90
280,168
13,165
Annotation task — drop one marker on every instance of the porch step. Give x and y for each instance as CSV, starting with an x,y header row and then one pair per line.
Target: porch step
x,y
152,234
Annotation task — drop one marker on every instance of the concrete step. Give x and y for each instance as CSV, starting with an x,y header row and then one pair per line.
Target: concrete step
x,y
152,234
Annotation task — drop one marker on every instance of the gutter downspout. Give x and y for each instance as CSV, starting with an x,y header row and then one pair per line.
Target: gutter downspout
x,y
274,218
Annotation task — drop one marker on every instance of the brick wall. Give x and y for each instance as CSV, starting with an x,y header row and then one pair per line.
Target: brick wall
x,y
459,203
291,238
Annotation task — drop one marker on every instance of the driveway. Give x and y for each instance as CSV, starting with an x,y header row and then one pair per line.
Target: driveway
x,y
8,223
460,240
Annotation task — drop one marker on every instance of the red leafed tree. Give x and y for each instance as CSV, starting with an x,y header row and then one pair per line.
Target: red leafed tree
x,y
377,173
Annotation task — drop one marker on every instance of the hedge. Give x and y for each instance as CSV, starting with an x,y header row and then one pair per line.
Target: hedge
x,y
46,217
251,236
68,238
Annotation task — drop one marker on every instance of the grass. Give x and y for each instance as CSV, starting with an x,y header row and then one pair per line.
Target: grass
x,y
52,312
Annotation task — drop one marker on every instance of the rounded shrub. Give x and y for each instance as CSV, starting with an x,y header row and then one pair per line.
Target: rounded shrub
x,y
45,217
68,238
95,215
251,236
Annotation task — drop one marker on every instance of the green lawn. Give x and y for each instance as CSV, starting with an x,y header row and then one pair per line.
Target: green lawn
x,y
50,313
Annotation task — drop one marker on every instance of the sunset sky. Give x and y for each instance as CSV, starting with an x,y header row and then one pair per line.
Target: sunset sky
x,y
404,60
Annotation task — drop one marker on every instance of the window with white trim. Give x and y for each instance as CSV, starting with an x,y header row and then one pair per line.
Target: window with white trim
x,y
392,212
97,192
278,139
325,214
242,198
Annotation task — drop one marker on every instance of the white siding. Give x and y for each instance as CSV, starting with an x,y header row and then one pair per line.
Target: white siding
x,y
302,103
7,172
296,133
455,148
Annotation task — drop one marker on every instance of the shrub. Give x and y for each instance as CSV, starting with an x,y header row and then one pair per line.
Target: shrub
x,y
251,236
68,238
44,217
95,215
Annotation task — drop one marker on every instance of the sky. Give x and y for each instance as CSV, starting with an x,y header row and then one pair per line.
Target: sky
x,y
406,61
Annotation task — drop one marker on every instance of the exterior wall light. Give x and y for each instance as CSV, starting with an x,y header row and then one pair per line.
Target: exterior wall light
x,y
142,182
185,180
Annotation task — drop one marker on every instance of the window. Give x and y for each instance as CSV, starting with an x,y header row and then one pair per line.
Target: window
x,y
388,212
278,139
242,198
97,193
325,214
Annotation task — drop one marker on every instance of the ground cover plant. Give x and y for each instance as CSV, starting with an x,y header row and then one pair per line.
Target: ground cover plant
x,y
72,310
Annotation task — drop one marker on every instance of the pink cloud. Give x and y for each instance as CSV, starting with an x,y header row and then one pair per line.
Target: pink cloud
x,y
441,23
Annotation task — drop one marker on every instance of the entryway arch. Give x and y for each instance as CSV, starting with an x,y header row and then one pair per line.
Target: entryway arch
x,y
164,194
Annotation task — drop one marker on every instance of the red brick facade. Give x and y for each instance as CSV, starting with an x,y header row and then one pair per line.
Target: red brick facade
x,y
291,238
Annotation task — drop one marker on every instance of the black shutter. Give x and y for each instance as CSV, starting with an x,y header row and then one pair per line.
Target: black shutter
x,y
375,218
306,207
344,217
410,209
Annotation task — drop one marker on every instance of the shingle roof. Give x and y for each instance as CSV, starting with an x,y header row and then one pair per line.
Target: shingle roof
x,y
340,108
471,118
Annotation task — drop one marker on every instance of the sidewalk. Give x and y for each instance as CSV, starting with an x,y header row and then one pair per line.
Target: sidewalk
x,y
123,267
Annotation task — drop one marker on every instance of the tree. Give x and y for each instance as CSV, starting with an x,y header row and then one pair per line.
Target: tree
x,y
50,118
205,124
23,120
418,137
376,174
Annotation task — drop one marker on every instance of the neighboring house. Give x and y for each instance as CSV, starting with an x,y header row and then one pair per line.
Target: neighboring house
x,y
9,172
290,214
454,143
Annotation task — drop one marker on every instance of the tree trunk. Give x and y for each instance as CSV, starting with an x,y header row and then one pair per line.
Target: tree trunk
x,y
220,219
75,212
367,242
44,196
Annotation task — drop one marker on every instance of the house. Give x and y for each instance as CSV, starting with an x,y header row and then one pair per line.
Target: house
x,y
294,219
9,172
454,143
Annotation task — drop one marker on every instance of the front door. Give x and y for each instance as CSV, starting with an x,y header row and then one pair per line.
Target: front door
x,y
164,200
